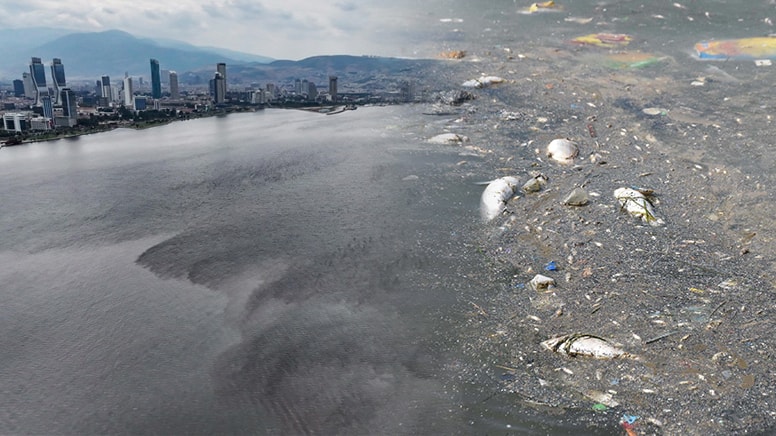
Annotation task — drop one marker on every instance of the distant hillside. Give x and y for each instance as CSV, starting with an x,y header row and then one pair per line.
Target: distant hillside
x,y
113,52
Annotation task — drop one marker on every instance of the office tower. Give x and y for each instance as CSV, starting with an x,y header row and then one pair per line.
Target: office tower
x,y
38,74
69,108
105,89
219,95
48,106
156,80
174,92
165,77
29,88
18,88
298,87
221,68
312,91
129,92
333,88
58,79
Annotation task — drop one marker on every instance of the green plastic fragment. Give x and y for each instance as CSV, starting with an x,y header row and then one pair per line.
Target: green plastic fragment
x,y
598,407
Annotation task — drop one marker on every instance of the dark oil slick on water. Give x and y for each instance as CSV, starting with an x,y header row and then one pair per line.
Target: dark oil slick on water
x,y
288,273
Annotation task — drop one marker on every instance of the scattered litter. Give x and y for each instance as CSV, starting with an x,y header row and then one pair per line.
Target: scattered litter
x,y
763,62
599,397
494,198
541,283
552,266
483,82
410,178
607,40
652,111
632,60
535,184
562,150
737,49
453,54
598,407
577,197
580,344
578,20
637,205
548,6
448,138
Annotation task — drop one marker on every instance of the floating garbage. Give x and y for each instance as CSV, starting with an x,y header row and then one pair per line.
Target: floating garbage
x,y
637,204
453,54
494,199
599,397
737,49
608,40
535,183
541,283
632,60
483,82
577,197
562,150
551,266
448,138
580,344
548,6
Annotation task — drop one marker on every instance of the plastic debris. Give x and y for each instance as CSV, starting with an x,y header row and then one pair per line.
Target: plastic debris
x,y
453,54
552,266
632,60
630,419
581,344
562,150
598,407
494,199
541,283
607,40
604,398
535,184
637,205
547,6
737,49
483,82
448,138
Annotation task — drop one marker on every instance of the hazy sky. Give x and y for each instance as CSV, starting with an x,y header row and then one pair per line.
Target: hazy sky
x,y
282,29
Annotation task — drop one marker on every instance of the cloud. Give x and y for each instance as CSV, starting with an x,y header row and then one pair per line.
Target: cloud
x,y
289,29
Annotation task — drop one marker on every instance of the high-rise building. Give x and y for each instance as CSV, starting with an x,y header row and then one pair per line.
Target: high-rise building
x,y
165,75
156,80
69,108
312,91
333,88
38,73
221,68
58,79
18,88
29,87
219,95
298,87
174,92
129,92
48,106
105,90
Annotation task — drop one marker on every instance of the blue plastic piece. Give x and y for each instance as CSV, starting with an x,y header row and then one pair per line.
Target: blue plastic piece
x,y
630,419
552,266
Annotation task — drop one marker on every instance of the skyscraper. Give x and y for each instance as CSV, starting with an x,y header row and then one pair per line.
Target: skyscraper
x,y
58,79
105,90
38,74
219,95
221,68
69,108
156,80
129,92
333,88
174,93
29,87
18,88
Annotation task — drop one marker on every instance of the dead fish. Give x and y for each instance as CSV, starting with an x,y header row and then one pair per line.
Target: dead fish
x,y
580,344
494,199
637,204
448,138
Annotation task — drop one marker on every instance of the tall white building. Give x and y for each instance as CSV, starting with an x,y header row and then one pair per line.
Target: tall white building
x,y
174,92
129,93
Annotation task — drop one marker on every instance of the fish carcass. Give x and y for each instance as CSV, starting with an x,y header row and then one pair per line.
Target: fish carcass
x,y
494,199
580,344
